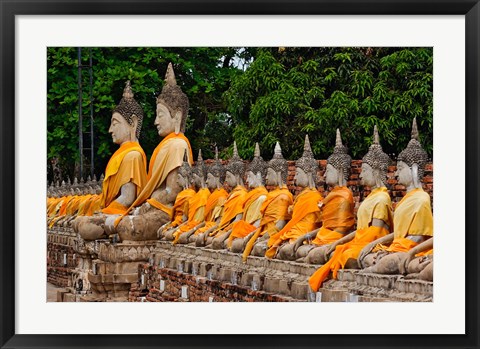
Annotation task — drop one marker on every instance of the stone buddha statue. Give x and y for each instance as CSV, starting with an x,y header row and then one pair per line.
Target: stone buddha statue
x,y
153,206
214,205
197,203
233,206
251,216
374,216
305,211
125,174
412,220
274,210
337,209
181,205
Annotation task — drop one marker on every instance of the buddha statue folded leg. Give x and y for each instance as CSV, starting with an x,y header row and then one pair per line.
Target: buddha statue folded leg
x,y
260,248
286,252
238,245
90,228
142,227
389,264
315,255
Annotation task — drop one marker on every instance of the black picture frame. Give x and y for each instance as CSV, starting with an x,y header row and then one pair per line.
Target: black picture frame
x,y
10,8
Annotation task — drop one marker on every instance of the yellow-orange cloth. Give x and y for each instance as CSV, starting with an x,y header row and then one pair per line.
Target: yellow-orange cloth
x,y
274,209
115,208
196,213
180,207
166,157
127,164
215,200
377,205
232,207
305,218
159,206
413,215
82,208
251,213
337,216
62,210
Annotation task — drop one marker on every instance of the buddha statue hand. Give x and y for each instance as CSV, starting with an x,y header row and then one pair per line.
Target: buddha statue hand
x,y
307,237
109,223
404,262
364,252
146,207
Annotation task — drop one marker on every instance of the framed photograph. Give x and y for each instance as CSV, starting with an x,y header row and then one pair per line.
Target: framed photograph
x,y
450,27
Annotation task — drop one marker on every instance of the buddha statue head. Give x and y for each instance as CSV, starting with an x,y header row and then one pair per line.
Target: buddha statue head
x,y
256,169
127,118
375,164
338,164
215,173
306,167
235,169
277,168
172,106
411,162
199,171
184,175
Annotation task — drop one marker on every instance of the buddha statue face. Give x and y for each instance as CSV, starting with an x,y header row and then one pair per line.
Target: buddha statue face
x,y
367,176
165,122
197,180
272,177
404,174
212,182
181,181
231,179
331,175
253,180
120,129
301,178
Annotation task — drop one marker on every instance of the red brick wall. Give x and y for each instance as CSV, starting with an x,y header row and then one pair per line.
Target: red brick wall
x,y
59,273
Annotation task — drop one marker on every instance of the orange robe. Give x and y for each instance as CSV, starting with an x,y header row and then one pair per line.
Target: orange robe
x,y
337,215
127,164
213,209
274,209
169,152
305,217
413,216
196,212
232,207
377,205
251,213
180,207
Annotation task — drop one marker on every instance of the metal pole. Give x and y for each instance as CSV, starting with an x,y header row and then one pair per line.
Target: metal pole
x,y
80,101
91,116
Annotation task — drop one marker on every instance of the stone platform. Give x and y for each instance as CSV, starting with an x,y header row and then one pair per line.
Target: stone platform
x,y
159,271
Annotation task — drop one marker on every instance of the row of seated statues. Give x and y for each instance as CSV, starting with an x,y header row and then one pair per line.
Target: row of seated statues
x,y
177,200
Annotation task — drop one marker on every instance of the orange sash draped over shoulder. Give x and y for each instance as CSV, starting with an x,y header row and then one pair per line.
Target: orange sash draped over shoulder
x,y
305,217
217,198
166,157
196,212
376,205
181,206
274,209
233,206
127,164
251,213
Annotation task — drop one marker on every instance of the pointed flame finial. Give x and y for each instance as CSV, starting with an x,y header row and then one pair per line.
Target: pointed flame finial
x,y
376,137
200,155
170,75
338,141
278,149
216,153
235,150
414,129
257,150
127,91
306,146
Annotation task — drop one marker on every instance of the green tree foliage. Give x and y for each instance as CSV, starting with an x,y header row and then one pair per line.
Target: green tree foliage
x,y
288,92
203,74
251,95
